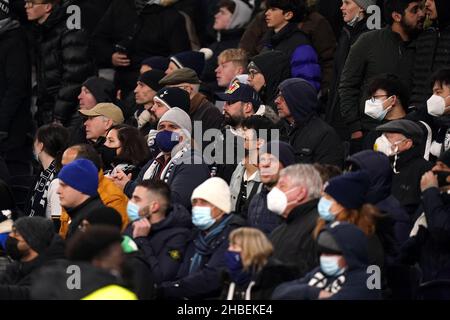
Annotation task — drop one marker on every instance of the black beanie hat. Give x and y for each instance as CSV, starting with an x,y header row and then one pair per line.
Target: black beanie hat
x,y
173,97
38,232
103,90
151,79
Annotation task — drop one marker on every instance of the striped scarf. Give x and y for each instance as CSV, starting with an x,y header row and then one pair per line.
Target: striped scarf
x,y
203,244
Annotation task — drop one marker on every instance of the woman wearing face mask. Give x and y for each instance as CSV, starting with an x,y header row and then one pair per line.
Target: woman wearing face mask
x,y
251,272
130,148
344,199
199,274
49,145
355,18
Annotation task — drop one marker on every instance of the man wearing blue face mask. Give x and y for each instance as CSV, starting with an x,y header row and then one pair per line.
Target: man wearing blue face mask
x,y
342,272
199,275
178,164
295,198
160,230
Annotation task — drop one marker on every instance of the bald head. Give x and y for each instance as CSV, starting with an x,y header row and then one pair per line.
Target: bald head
x,y
69,155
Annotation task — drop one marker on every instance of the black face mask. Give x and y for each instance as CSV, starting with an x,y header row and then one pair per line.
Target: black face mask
x,y
108,156
442,178
12,249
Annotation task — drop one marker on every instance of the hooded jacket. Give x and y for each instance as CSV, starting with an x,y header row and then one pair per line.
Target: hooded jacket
x,y
351,285
15,85
312,138
274,66
164,247
63,62
15,282
380,172
302,56
432,54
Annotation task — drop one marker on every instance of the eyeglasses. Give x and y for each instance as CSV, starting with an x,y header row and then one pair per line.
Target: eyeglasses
x,y
32,3
252,73
373,98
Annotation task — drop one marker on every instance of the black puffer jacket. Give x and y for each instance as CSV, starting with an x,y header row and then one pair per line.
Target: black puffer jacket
x,y
432,53
63,63
15,85
157,31
348,37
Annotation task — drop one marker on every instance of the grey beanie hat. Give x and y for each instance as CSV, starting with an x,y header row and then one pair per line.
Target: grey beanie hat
x,y
38,232
179,118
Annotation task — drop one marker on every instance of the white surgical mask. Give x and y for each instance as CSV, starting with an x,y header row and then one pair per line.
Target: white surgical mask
x,y
277,201
375,109
382,144
436,105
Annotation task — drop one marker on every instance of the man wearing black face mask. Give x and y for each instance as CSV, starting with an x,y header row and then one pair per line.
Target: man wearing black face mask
x,y
430,237
32,244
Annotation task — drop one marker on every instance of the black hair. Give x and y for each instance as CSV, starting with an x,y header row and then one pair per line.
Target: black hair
x,y
393,85
134,149
55,139
297,7
158,187
105,216
257,123
442,77
228,4
88,152
399,6
93,243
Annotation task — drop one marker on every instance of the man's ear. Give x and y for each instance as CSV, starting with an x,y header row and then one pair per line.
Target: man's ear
x,y
288,15
409,143
154,207
397,17
109,124
248,107
48,7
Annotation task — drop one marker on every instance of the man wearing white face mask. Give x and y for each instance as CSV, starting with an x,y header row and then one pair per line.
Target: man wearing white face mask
x,y
401,141
295,198
438,106
199,274
387,100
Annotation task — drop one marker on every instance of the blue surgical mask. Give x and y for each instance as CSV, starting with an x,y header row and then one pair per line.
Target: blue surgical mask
x,y
201,217
323,207
133,211
166,140
234,264
330,265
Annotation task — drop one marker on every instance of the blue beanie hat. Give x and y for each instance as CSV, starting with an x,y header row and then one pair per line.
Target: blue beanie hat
x,y
349,189
282,150
82,175
190,59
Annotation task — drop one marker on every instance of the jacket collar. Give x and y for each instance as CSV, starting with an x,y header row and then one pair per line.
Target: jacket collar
x,y
302,211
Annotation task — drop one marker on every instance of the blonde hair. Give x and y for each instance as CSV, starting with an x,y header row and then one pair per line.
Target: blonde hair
x,y
256,248
237,56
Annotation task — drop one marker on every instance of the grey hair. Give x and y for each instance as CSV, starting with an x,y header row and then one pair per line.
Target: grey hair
x,y
305,175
